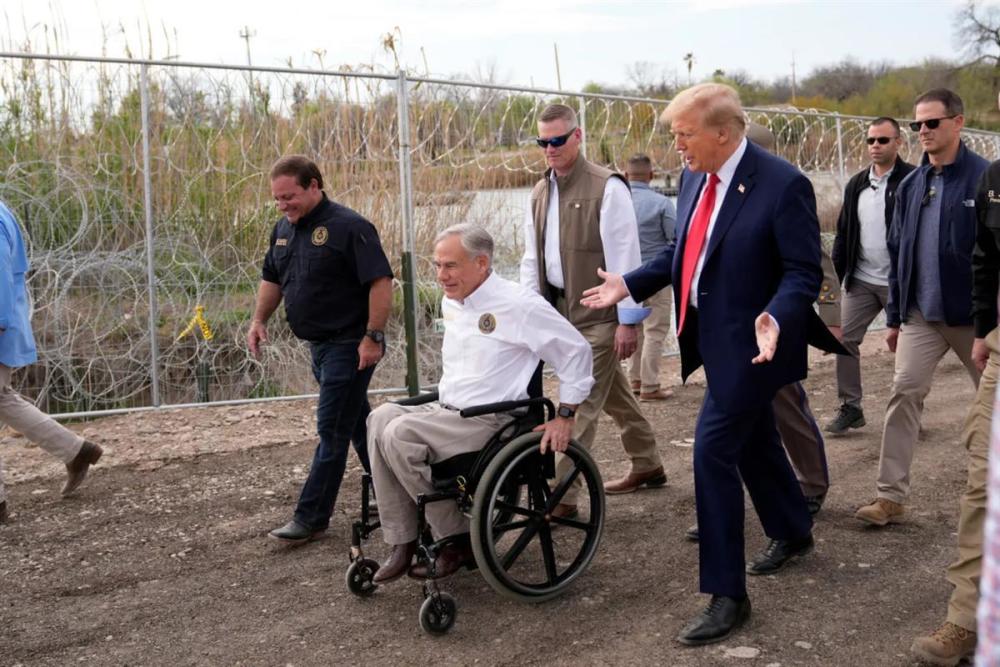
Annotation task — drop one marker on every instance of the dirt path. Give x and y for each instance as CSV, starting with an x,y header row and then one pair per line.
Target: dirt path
x,y
162,558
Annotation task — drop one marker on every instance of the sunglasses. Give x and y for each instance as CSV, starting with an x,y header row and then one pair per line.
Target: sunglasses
x,y
555,142
931,123
880,140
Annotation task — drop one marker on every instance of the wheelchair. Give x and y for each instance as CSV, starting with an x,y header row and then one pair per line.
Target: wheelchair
x,y
508,491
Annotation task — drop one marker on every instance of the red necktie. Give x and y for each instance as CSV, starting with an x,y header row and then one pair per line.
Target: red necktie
x,y
695,242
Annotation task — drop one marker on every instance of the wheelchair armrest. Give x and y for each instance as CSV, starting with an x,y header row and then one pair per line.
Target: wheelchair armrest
x,y
507,406
419,399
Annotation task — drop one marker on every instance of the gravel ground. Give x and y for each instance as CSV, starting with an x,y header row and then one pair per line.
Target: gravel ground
x,y
162,559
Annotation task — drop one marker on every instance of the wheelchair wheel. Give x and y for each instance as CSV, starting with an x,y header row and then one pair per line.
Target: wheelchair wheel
x,y
437,613
532,556
359,577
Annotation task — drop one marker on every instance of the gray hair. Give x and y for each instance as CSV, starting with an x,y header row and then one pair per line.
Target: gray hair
x,y
475,239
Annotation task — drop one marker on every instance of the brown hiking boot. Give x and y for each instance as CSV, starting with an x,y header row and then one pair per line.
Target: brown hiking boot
x,y
880,513
76,470
946,646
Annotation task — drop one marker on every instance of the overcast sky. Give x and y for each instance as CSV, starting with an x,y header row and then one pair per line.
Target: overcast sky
x,y
596,40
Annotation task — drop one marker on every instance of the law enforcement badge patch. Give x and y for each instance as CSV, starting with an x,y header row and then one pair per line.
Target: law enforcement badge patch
x,y
487,323
320,235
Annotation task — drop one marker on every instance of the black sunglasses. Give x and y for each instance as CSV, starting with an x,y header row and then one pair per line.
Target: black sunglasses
x,y
931,123
880,140
555,142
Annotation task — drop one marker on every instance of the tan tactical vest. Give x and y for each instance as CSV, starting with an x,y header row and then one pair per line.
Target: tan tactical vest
x,y
581,251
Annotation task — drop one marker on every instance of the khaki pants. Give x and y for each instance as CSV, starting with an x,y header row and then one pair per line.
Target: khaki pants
x,y
859,306
801,438
402,443
612,394
920,347
965,572
644,366
34,425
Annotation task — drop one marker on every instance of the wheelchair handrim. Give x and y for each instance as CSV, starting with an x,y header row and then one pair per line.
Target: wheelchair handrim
x,y
515,454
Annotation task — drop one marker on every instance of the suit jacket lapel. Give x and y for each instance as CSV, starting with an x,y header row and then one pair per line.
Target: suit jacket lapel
x,y
737,193
687,199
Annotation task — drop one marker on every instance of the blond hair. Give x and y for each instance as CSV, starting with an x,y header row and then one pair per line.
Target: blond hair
x,y
716,105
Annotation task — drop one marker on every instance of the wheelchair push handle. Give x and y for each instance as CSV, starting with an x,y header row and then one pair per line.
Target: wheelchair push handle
x,y
508,406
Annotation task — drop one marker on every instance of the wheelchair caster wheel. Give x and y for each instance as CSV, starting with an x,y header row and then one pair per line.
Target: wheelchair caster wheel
x,y
359,577
437,614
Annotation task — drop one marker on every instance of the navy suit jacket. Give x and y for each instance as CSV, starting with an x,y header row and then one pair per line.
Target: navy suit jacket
x,y
763,255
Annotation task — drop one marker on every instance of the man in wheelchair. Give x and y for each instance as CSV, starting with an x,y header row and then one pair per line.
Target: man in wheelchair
x,y
495,334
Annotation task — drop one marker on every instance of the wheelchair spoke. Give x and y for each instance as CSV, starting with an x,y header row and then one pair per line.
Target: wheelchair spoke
x,y
572,523
518,547
560,491
501,528
516,509
548,553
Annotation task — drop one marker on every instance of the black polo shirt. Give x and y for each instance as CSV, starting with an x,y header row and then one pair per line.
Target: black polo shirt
x,y
324,264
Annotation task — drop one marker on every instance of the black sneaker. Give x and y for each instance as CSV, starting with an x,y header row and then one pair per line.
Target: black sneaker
x,y
848,417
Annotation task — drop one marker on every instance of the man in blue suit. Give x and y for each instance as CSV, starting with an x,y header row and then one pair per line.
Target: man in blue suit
x,y
746,270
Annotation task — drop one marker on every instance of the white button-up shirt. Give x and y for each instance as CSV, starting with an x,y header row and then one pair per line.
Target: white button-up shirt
x,y
725,174
493,340
619,236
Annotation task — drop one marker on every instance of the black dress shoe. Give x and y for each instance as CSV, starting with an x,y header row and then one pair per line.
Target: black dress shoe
x,y
719,620
778,553
692,533
293,533
815,503
449,560
398,563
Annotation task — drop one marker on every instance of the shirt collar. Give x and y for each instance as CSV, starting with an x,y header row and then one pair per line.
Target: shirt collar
x,y
639,185
879,179
728,168
482,293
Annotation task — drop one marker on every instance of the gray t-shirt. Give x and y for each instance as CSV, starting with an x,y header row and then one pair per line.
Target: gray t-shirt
x,y
927,267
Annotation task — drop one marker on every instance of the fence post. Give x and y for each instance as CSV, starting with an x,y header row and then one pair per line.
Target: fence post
x,y
582,119
147,185
840,148
409,277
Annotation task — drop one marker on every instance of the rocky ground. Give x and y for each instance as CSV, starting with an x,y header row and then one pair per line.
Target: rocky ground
x,y
162,558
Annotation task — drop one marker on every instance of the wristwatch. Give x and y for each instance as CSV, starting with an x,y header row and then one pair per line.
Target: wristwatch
x,y
376,335
566,412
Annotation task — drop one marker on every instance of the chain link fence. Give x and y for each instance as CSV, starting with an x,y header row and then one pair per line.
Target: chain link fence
x,y
130,174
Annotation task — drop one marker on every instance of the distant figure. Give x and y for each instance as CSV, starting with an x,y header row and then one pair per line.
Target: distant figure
x,y
861,257
929,310
656,216
327,263
17,348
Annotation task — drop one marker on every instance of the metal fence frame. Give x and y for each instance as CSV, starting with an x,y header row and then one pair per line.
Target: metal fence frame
x,y
402,83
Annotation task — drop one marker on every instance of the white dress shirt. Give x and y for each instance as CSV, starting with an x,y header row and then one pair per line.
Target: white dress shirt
x,y
725,174
619,236
493,340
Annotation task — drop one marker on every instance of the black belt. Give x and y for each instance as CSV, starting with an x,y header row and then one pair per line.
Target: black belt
x,y
556,292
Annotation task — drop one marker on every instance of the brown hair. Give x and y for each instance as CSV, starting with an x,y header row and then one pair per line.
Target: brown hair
x,y
302,168
953,105
558,112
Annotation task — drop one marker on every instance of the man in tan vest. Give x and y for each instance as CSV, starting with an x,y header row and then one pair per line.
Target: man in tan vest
x,y
580,219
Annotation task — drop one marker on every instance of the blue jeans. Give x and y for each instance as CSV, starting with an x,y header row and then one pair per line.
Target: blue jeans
x,y
340,417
